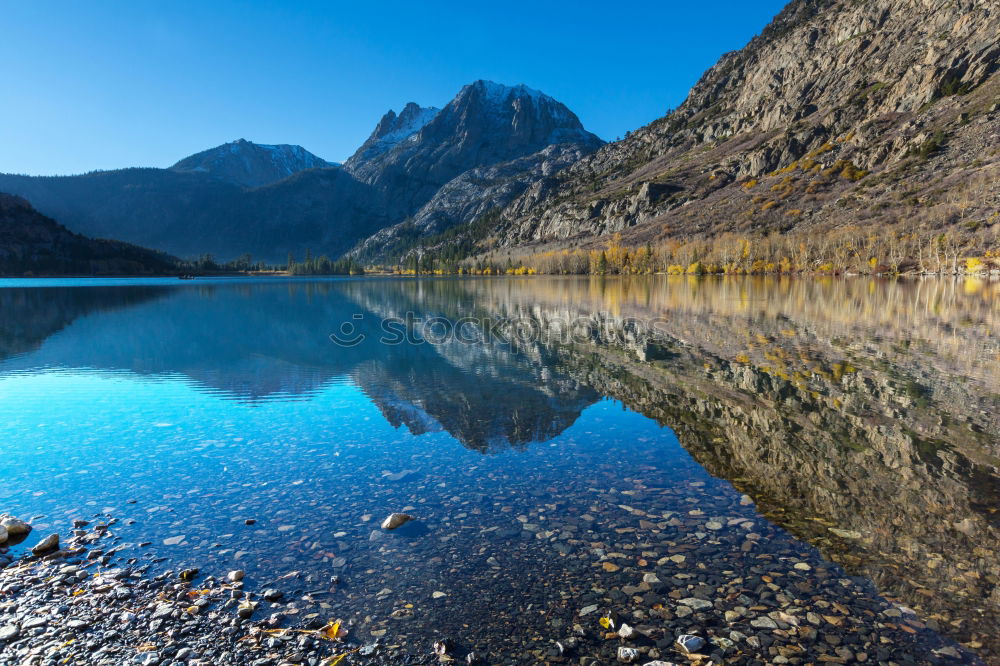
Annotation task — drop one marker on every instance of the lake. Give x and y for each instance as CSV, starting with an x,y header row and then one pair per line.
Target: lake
x,y
799,469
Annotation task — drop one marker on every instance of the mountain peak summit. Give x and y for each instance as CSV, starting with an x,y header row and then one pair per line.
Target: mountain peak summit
x,y
485,124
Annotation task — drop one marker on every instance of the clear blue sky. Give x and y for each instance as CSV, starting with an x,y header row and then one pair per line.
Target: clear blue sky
x,y
108,84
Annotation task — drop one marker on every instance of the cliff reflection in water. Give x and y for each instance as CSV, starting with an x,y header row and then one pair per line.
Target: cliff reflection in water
x,y
862,415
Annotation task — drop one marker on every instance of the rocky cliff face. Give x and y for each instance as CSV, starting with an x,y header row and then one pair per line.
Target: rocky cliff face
x,y
391,130
836,107
250,164
32,244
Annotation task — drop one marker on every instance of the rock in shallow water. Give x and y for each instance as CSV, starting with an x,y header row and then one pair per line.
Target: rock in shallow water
x,y
627,655
396,520
690,644
246,609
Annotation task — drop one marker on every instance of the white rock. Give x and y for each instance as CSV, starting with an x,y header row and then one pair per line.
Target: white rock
x,y
235,576
626,631
690,644
651,578
396,520
627,655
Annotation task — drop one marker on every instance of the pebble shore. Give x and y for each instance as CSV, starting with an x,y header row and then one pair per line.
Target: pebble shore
x,y
89,600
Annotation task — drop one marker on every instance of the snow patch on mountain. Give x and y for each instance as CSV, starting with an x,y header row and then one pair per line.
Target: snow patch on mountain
x,y
409,125
498,93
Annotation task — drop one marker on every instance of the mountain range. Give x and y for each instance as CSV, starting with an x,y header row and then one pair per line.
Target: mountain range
x,y
272,201
841,115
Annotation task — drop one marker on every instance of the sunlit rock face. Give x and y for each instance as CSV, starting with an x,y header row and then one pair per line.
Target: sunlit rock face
x,y
828,82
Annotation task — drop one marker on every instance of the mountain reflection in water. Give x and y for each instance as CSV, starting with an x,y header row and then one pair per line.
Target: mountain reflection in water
x,y
861,415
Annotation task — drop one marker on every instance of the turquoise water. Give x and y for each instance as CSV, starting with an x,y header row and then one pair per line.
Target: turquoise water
x,y
186,408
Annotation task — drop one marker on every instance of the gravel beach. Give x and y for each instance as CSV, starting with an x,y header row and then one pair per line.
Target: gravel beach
x,y
102,600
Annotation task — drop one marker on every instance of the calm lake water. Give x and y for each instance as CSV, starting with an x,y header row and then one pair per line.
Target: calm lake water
x,y
777,446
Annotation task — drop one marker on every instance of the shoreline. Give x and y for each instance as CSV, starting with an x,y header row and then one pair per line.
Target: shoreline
x,y
91,602
991,276
96,601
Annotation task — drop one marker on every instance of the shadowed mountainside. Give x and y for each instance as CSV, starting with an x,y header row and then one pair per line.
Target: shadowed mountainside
x,y
33,244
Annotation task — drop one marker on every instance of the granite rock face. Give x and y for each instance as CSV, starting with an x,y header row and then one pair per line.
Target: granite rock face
x,y
467,198
392,130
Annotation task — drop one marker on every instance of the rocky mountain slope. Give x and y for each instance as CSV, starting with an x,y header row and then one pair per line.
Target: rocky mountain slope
x,y
468,198
270,201
32,244
251,164
840,112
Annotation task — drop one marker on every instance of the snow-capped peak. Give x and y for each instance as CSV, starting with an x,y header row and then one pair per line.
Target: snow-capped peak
x,y
393,129
410,120
498,93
